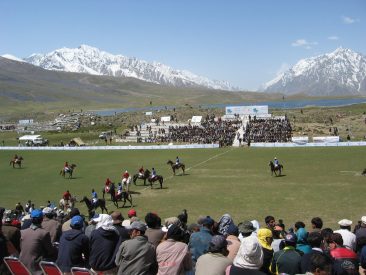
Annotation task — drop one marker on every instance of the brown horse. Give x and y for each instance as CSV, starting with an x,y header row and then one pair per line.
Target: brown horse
x,y
123,197
17,161
274,169
91,207
176,166
144,177
156,178
70,171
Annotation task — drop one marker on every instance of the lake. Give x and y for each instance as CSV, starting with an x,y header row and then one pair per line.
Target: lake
x,y
285,104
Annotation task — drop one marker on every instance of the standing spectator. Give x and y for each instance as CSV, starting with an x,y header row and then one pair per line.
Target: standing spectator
x,y
50,224
320,264
288,259
35,244
249,259
199,241
246,229
173,255
265,239
3,251
345,261
316,224
315,241
132,216
137,255
270,222
104,242
349,239
153,232
215,261
74,246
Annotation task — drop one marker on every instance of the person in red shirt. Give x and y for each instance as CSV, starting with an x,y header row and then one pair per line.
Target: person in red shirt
x,y
126,180
141,171
107,185
66,197
66,167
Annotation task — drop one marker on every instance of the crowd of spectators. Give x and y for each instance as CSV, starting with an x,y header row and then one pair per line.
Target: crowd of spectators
x,y
110,244
267,130
211,130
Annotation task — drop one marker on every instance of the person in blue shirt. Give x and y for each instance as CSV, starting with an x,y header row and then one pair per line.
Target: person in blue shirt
x,y
276,162
94,197
177,161
153,173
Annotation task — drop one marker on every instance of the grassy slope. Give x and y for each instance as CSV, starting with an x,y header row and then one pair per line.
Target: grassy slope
x,y
323,182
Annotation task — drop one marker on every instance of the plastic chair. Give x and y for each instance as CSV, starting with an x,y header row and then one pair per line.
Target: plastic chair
x,y
80,271
15,266
50,268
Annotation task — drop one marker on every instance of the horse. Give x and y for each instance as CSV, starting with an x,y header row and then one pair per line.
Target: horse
x,y
70,204
123,196
156,178
274,168
144,177
17,161
364,172
176,166
99,203
69,171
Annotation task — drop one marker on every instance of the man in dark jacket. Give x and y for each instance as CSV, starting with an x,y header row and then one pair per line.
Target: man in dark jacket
x,y
117,222
73,245
11,233
288,259
104,242
315,241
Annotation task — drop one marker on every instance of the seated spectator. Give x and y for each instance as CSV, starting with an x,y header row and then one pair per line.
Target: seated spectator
x,y
316,224
349,239
11,232
153,232
302,243
73,249
215,261
249,259
265,239
315,241
320,264
345,261
233,242
50,224
173,255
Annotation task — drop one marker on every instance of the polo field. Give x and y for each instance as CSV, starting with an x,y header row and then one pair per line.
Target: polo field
x,y
321,181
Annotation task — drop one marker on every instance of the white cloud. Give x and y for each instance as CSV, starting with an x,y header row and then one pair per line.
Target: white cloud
x,y
303,43
349,20
333,37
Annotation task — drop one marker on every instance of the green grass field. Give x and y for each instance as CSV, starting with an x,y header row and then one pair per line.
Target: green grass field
x,y
323,182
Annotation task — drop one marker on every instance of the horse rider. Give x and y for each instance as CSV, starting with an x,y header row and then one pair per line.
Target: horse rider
x,y
141,171
119,189
15,159
276,162
107,186
153,173
177,161
66,167
66,196
94,197
125,179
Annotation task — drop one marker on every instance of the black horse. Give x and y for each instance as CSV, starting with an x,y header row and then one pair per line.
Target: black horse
x,y
176,166
91,207
156,178
275,169
69,171
364,172
124,196
144,177
17,161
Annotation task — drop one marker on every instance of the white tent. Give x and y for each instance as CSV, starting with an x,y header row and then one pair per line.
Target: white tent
x,y
30,137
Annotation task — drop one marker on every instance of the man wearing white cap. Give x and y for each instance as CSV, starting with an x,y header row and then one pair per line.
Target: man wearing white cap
x,y
349,239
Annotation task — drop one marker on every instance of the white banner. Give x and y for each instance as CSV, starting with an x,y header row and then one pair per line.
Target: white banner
x,y
300,140
325,139
196,119
165,118
246,110
148,113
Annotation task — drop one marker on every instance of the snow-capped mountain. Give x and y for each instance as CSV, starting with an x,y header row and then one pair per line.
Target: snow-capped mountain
x,y
342,72
90,60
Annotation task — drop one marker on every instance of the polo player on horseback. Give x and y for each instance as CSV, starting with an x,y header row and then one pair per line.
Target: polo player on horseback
x,y
141,172
66,196
177,161
126,180
94,199
66,167
276,162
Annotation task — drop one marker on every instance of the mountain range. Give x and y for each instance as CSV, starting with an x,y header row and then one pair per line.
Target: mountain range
x,y
90,60
342,72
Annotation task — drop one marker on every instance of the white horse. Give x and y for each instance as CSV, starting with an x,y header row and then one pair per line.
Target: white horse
x,y
126,183
65,205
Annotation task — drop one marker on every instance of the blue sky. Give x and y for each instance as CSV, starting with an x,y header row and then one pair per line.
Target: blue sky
x,y
244,42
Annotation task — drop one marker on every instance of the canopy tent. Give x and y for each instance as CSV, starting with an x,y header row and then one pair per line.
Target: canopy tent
x,y
30,137
77,142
